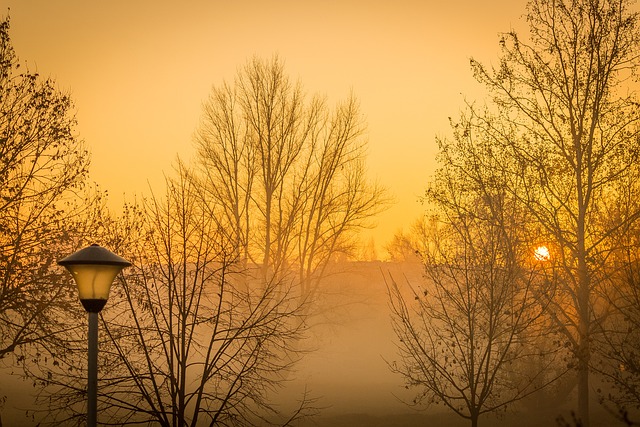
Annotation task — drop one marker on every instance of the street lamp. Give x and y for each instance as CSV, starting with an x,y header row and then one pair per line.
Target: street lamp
x,y
93,268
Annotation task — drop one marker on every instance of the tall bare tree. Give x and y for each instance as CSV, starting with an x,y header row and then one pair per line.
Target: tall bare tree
x,y
288,172
188,339
466,336
42,166
561,111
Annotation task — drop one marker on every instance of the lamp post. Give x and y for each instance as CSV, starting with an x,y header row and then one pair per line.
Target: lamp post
x,y
93,268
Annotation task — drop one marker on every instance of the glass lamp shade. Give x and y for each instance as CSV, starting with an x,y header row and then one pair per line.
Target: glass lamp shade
x,y
94,268
94,281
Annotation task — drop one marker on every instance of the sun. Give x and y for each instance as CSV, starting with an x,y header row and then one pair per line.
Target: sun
x,y
541,253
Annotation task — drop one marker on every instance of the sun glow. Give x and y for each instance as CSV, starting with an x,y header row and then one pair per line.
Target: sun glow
x,y
541,253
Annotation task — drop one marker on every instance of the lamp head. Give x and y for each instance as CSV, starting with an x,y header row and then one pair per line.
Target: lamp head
x,y
94,268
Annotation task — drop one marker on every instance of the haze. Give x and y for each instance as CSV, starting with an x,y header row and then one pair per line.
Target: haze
x,y
139,71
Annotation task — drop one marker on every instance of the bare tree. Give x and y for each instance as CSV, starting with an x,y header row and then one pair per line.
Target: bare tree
x,y
288,172
190,338
466,336
403,248
42,166
616,349
616,344
469,337
561,113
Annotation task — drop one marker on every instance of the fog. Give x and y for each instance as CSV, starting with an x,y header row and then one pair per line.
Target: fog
x,y
352,340
349,371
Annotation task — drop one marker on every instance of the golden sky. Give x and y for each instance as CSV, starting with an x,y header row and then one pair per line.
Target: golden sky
x,y
139,71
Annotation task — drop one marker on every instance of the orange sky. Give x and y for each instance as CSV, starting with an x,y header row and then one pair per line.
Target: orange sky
x,y
139,71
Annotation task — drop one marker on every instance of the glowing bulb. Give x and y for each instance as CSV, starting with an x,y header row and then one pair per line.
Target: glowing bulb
x,y
541,253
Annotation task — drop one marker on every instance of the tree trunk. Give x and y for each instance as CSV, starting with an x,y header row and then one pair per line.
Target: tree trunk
x,y
583,354
474,419
583,350
583,393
